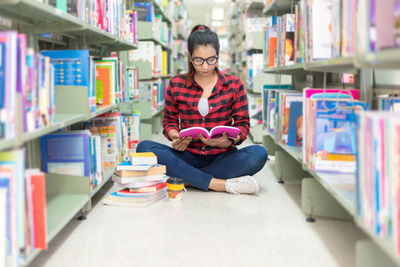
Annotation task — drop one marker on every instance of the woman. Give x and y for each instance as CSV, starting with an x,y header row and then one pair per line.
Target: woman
x,y
207,97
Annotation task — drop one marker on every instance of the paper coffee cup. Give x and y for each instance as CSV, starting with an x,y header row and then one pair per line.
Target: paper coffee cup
x,y
175,187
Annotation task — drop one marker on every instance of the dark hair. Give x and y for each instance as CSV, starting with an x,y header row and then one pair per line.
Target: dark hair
x,y
200,35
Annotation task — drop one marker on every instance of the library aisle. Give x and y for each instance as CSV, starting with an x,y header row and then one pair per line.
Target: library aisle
x,y
206,229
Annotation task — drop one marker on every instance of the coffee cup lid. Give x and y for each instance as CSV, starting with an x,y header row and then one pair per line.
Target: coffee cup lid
x,y
175,180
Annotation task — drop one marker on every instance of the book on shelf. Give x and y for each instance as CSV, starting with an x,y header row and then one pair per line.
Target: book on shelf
x,y
66,153
6,223
295,131
215,132
351,94
139,170
387,102
145,11
329,136
12,167
286,99
110,127
377,175
4,204
36,201
107,81
73,68
143,158
8,78
133,130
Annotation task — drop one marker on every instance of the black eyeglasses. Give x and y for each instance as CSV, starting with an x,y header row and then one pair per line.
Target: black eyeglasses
x,y
198,61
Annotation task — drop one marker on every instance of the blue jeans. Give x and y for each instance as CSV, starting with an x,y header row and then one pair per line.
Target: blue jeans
x,y
197,170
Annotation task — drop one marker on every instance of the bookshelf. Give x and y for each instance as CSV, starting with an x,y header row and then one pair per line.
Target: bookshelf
x,y
386,59
340,187
66,195
44,19
278,7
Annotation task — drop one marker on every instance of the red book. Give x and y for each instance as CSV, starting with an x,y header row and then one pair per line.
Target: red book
x,y
38,198
145,189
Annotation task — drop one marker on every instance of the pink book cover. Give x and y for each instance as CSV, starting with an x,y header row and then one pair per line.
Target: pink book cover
x,y
214,133
307,93
22,76
396,197
385,33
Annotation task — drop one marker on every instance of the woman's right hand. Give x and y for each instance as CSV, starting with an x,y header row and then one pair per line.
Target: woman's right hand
x,y
179,144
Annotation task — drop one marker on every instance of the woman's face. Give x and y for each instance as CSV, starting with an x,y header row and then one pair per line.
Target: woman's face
x,y
204,59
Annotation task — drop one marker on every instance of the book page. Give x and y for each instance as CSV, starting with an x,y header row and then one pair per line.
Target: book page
x,y
194,132
218,131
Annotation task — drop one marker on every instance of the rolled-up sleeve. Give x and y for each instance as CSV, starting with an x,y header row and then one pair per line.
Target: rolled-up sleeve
x,y
240,112
170,120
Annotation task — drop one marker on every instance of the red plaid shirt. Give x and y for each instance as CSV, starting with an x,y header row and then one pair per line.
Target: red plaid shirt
x,y
227,106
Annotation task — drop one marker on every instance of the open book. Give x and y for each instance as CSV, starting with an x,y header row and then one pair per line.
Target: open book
x,y
217,131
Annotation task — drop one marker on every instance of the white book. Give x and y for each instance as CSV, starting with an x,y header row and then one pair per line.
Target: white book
x,y
140,184
125,180
3,226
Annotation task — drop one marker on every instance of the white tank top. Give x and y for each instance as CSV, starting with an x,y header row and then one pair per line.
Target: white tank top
x,y
203,106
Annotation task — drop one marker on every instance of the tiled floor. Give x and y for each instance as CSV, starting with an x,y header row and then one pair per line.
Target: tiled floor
x,y
206,229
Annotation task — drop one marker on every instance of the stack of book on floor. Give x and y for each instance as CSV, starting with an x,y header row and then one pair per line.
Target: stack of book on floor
x,y
141,182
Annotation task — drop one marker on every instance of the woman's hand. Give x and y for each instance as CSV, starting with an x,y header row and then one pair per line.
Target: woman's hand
x,y
179,144
221,142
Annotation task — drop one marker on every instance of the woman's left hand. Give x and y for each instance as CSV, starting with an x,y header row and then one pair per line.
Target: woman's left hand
x,y
221,142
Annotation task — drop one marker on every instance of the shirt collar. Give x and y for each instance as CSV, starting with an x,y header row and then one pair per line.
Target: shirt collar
x,y
221,78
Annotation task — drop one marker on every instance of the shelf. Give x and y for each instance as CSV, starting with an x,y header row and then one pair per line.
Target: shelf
x,y
157,77
279,7
8,143
339,65
340,186
45,19
107,174
385,244
60,209
164,47
61,121
294,151
290,69
255,6
388,59
159,11
155,113
101,110
180,36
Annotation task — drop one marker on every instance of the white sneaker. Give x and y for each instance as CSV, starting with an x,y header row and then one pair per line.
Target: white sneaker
x,y
242,185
